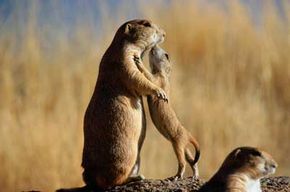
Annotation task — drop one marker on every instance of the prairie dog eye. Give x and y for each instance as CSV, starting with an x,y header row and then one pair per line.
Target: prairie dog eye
x,y
256,153
167,56
147,25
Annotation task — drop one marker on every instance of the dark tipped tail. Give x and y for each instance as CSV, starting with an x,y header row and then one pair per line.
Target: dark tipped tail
x,y
197,152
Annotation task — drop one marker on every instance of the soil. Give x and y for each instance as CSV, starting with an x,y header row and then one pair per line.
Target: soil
x,y
189,184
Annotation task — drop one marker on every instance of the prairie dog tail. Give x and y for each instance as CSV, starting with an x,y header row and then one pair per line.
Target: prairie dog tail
x,y
104,183
195,144
99,182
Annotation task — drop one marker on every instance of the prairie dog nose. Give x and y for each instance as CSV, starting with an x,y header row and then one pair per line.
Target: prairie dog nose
x,y
154,50
163,33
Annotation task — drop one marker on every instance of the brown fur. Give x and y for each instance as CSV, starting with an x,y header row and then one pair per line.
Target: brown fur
x,y
162,114
114,122
243,167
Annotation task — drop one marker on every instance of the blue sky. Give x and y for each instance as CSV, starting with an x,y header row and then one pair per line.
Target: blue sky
x,y
63,15
72,9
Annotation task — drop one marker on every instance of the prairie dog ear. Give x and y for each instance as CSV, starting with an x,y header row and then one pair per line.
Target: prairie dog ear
x,y
237,153
128,28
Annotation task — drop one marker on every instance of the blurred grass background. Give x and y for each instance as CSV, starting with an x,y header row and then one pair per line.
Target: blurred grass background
x,y
230,82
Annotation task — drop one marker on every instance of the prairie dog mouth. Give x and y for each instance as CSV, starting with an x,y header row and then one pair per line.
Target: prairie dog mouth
x,y
158,38
153,50
271,169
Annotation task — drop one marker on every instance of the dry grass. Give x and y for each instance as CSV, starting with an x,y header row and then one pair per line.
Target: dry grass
x,y
230,85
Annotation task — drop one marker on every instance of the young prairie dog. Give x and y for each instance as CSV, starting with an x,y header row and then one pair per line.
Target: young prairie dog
x,y
162,114
114,122
241,171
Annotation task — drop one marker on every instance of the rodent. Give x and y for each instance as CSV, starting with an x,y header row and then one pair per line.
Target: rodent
x,y
163,115
114,122
241,171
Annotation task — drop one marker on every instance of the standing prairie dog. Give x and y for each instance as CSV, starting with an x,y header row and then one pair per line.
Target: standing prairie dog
x,y
114,122
162,114
241,171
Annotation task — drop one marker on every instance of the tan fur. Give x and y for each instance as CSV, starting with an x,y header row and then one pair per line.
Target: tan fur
x,y
162,114
114,122
241,171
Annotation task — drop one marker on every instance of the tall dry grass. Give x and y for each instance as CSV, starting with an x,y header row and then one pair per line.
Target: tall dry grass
x,y
230,83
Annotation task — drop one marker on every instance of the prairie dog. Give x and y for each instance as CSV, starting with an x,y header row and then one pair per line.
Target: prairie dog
x,y
162,114
114,122
241,171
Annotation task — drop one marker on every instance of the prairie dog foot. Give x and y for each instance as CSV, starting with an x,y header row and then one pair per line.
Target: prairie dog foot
x,y
174,178
135,178
195,171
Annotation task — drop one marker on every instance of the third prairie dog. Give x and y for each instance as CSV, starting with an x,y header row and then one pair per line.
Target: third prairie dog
x,y
241,171
163,115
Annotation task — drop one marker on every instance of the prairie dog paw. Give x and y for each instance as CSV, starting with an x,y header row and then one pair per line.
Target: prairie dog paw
x,y
161,94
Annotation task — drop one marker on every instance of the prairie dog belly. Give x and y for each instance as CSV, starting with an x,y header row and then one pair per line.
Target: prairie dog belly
x,y
158,117
116,130
131,119
253,185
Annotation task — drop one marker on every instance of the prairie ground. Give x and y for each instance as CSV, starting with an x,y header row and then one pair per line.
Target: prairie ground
x,y
230,82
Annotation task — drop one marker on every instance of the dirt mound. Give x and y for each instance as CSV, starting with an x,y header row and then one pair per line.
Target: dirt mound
x,y
189,184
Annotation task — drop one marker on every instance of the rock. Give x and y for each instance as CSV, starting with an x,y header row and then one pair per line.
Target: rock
x,y
189,184
180,185
277,184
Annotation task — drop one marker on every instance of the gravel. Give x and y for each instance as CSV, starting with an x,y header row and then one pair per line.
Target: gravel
x,y
189,184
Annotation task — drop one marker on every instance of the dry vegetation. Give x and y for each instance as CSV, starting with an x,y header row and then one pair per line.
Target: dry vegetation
x,y
230,84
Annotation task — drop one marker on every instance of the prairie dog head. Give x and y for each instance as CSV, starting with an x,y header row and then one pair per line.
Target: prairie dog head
x,y
142,33
250,161
159,60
